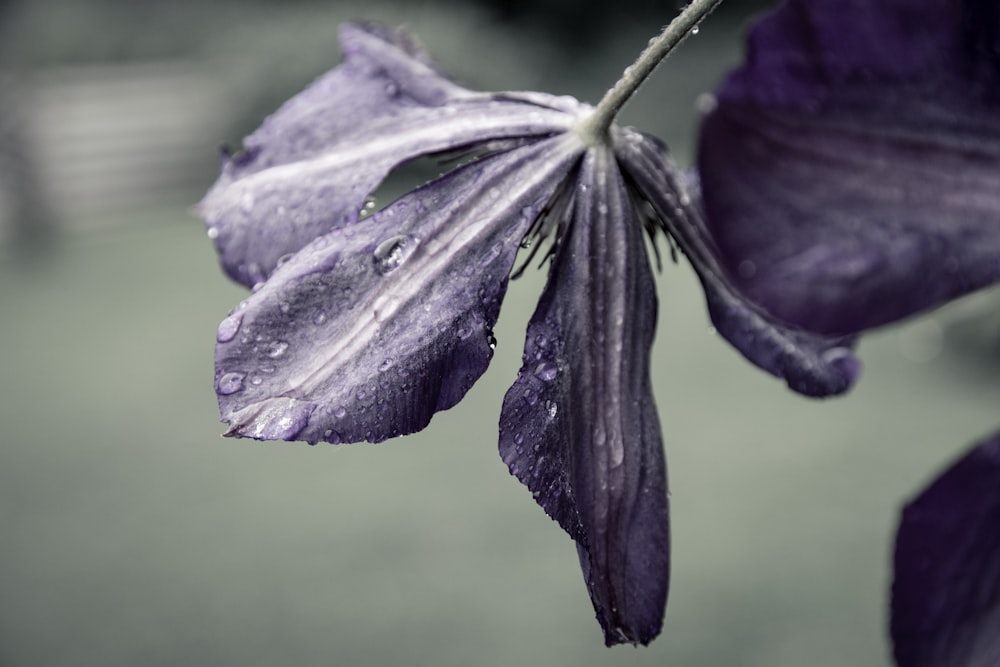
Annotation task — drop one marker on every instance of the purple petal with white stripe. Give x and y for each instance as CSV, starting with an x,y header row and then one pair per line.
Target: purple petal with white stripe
x,y
370,329
310,167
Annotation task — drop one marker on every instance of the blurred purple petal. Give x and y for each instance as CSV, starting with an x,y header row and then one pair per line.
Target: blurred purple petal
x,y
811,364
310,167
946,591
850,166
372,328
579,426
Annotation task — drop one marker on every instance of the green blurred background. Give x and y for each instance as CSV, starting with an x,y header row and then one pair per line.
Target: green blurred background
x,y
132,534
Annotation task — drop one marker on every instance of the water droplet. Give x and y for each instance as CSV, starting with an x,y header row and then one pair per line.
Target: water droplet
x,y
491,340
392,252
362,394
546,371
229,327
276,348
340,412
332,436
319,318
541,340
464,331
518,438
385,365
492,253
367,209
213,233
256,380
284,306
551,408
268,368
283,259
230,383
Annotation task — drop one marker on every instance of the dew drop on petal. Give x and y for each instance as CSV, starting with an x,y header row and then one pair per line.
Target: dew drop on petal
x,y
546,371
230,383
390,254
229,327
276,348
213,233
340,412
491,340
319,318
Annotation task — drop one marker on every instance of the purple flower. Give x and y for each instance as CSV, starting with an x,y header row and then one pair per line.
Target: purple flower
x,y
362,327
946,590
850,167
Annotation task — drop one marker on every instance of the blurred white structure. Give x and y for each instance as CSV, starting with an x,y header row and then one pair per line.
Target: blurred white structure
x,y
107,142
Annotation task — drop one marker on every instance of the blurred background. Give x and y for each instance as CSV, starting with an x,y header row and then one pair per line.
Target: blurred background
x,y
132,534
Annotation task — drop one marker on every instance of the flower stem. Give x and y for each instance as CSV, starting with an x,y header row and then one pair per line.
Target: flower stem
x,y
595,127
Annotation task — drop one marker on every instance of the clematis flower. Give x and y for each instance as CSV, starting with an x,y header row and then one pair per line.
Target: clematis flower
x,y
946,589
360,327
850,166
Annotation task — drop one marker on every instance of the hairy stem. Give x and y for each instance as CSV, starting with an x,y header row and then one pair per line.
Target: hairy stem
x,y
595,127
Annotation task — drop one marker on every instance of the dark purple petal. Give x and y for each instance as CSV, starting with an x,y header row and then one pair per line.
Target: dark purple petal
x,y
579,427
310,167
370,329
946,590
850,167
811,364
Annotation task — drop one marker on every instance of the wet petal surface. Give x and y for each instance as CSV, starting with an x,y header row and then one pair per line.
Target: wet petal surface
x,y
312,164
579,426
372,328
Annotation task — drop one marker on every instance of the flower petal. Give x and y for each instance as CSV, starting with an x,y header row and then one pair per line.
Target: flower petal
x,y
946,590
372,328
579,426
850,167
811,364
310,167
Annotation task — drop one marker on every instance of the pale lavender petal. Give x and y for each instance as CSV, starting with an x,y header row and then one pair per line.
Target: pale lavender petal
x,y
579,426
946,589
811,364
311,165
370,329
850,167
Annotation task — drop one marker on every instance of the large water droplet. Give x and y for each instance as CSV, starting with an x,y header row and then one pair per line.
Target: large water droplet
x,y
230,383
546,371
229,327
392,252
276,348
491,340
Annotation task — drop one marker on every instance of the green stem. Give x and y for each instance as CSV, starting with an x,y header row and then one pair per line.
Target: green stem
x,y
595,127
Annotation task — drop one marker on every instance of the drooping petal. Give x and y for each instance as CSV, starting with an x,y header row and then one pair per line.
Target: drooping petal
x,y
850,166
579,426
372,328
811,364
946,590
310,167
